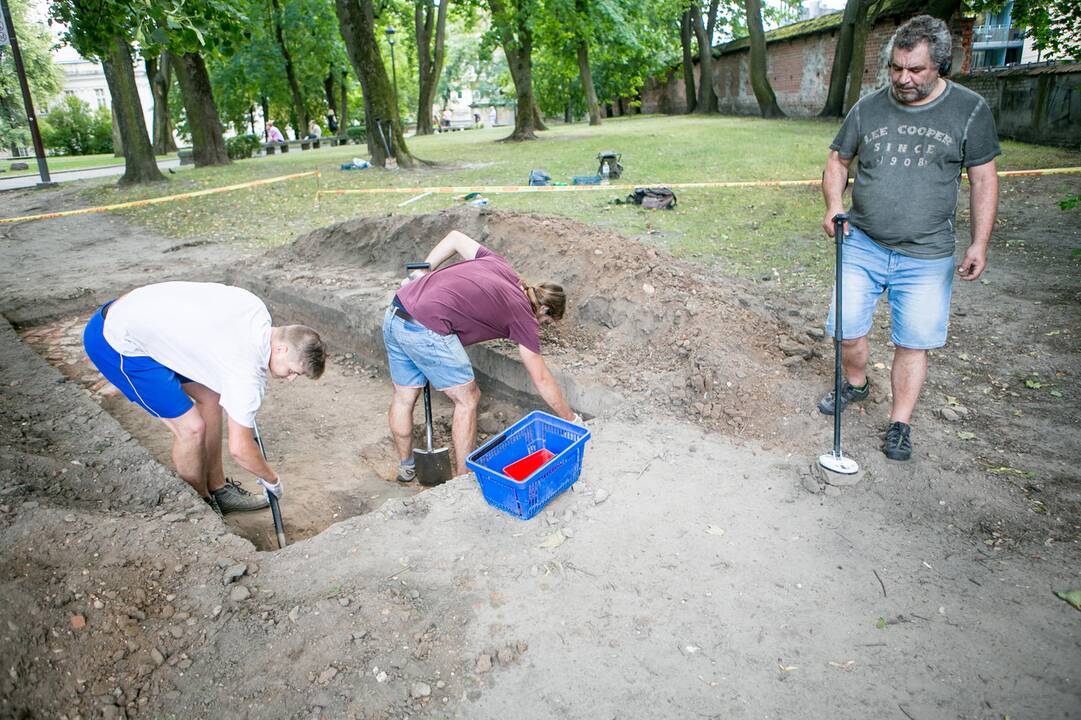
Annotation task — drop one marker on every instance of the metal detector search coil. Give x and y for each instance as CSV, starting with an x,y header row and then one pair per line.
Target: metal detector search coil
x,y
536,431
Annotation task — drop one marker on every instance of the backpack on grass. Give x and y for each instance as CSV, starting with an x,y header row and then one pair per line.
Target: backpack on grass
x,y
654,198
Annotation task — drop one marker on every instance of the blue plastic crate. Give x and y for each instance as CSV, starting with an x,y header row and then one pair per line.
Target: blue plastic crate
x,y
535,431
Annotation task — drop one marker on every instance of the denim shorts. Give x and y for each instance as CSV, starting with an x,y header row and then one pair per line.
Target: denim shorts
x,y
918,291
415,355
143,380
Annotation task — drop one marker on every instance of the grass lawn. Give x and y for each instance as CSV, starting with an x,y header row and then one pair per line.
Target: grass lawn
x,y
61,163
751,232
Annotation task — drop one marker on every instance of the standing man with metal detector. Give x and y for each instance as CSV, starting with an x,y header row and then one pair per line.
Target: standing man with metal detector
x,y
437,313
185,352
912,138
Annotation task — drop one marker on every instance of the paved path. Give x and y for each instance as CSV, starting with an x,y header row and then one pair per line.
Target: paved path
x,y
27,181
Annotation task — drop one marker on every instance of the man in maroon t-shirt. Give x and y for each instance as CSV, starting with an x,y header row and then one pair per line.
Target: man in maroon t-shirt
x,y
437,313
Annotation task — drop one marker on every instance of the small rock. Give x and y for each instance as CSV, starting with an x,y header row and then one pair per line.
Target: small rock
x,y
327,675
176,631
173,517
78,622
949,414
234,573
343,601
157,656
69,518
810,483
484,663
381,677
600,496
420,690
239,593
648,289
506,656
294,614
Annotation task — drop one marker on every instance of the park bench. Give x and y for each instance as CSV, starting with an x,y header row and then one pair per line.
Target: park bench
x,y
456,125
187,157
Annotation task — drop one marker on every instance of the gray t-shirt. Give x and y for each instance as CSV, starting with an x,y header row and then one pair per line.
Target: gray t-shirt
x,y
909,167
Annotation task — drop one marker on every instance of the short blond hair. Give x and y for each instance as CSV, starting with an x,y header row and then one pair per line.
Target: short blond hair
x,y
309,346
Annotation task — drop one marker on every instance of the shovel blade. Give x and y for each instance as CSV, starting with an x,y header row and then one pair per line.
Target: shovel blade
x,y
433,466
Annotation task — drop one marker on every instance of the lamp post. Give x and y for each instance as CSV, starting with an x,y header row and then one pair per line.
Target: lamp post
x,y
7,35
393,66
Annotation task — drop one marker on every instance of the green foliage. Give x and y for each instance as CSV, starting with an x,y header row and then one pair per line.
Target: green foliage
x,y
42,75
357,133
1052,24
72,128
242,146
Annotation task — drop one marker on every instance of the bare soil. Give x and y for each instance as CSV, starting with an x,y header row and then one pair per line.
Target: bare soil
x,y
698,568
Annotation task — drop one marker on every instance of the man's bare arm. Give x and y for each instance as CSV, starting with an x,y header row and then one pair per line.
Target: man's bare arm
x,y
983,206
245,451
546,385
834,182
454,242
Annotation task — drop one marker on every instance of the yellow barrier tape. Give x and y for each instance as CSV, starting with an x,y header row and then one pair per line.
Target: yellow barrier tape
x,y
158,200
492,189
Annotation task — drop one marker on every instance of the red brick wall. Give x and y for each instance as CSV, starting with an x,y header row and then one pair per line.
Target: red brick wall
x,y
799,70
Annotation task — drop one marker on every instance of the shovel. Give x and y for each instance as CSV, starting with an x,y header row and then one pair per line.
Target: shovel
x,y
391,162
275,511
432,465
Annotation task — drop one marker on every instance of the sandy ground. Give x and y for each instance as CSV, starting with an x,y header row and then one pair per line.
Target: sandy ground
x,y
696,570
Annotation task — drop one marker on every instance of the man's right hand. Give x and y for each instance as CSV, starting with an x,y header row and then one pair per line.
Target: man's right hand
x,y
827,222
274,489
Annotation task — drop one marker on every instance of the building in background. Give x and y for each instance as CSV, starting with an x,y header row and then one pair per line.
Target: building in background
x,y
997,42
86,80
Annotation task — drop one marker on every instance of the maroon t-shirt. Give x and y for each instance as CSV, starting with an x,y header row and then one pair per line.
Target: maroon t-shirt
x,y
476,300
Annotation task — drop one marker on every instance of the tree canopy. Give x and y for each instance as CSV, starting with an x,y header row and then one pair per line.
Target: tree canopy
x,y
42,74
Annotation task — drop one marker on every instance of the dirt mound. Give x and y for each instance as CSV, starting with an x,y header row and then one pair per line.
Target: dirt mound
x,y
648,325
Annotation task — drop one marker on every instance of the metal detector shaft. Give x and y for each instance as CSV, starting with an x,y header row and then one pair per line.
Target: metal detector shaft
x,y
275,510
839,221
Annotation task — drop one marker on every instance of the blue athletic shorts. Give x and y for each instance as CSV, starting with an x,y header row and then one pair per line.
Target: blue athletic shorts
x,y
143,380
415,353
918,291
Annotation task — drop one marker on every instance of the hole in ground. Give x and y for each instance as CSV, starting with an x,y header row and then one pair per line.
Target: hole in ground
x,y
328,439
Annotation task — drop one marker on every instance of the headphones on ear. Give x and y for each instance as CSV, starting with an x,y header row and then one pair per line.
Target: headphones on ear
x,y
944,68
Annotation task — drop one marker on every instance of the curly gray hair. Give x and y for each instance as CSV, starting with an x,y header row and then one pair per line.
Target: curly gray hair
x,y
924,28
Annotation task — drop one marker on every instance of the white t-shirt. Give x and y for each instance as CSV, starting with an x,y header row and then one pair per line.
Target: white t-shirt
x,y
216,335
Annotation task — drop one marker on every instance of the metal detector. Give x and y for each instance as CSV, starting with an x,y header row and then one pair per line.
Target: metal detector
x,y
275,511
835,461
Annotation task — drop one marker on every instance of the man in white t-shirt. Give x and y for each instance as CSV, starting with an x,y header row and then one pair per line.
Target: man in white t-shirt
x,y
185,352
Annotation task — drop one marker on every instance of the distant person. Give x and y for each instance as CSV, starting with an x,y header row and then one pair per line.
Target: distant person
x,y
491,116
437,313
332,122
913,138
186,351
273,134
314,131
476,119
447,115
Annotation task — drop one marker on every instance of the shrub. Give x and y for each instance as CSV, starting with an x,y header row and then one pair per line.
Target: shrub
x,y
241,146
357,134
72,128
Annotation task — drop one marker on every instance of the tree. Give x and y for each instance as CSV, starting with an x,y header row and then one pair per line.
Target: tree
x,y
430,26
41,73
763,91
356,19
72,128
513,21
207,137
104,30
855,13
686,33
300,117
159,72
703,30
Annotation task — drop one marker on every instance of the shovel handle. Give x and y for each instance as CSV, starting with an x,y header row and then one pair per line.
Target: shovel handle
x,y
275,510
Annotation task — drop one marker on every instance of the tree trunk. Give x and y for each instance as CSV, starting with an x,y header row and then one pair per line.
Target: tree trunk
x,y
842,60
707,96
859,58
517,40
139,163
343,118
584,71
332,96
159,71
118,142
431,27
763,91
207,141
538,118
356,20
300,121
686,31
587,83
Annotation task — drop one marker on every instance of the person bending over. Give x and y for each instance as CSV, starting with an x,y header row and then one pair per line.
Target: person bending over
x,y
440,311
186,351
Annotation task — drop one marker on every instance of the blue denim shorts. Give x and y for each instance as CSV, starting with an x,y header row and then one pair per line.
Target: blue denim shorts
x,y
918,291
415,354
143,380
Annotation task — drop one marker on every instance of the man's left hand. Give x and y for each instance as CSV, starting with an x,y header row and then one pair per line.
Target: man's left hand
x,y
974,263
